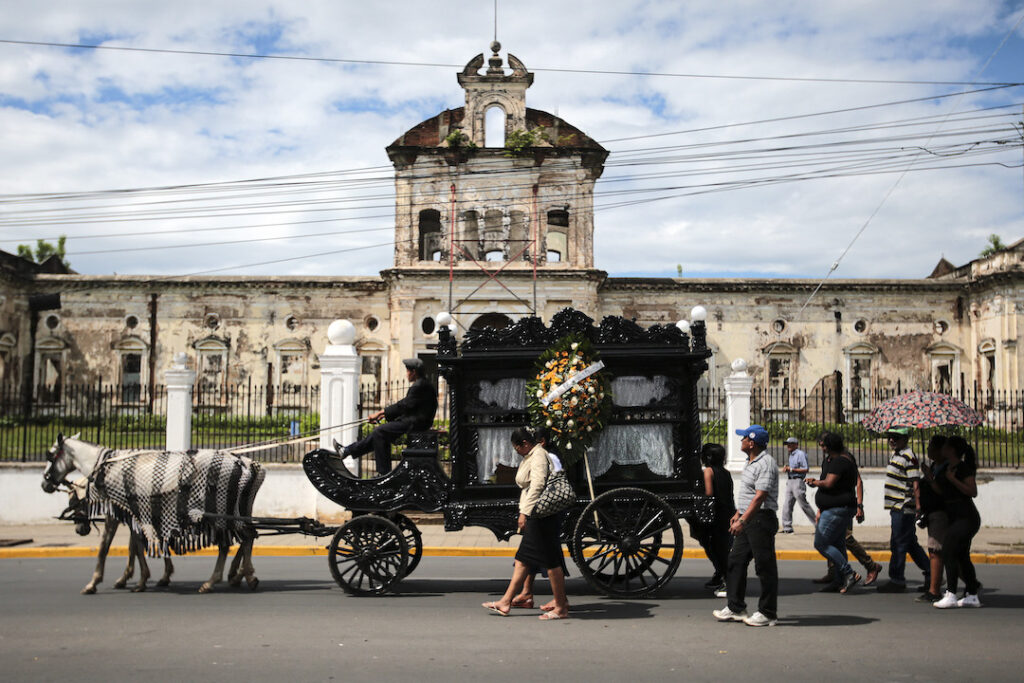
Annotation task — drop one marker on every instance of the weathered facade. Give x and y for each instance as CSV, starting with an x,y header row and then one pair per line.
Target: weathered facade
x,y
467,206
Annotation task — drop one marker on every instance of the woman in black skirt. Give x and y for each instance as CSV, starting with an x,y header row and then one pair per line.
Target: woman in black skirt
x,y
541,545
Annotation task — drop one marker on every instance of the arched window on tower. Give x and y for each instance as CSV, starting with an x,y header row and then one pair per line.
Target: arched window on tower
x,y
430,235
557,243
494,127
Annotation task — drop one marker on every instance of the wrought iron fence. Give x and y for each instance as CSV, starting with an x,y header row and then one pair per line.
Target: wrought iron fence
x,y
999,442
249,414
118,416
129,417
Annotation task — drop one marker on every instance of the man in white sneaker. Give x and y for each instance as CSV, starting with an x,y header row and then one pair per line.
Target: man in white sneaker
x,y
796,488
754,525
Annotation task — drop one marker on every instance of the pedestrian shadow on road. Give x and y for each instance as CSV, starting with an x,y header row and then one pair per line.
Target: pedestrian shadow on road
x,y
998,600
817,620
610,609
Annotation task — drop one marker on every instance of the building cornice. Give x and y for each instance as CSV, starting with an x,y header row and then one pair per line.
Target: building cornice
x,y
469,274
787,285
72,283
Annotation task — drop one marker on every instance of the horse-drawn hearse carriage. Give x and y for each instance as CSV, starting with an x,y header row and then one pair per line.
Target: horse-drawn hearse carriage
x,y
639,476
626,426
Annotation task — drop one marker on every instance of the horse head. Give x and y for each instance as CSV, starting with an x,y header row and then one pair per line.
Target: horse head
x,y
59,462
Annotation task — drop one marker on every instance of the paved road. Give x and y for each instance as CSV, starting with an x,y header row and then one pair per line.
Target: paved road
x,y
299,626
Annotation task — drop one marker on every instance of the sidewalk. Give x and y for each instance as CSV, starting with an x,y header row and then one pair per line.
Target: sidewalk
x,y
991,545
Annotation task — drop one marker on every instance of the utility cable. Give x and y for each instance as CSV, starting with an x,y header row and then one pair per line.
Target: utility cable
x,y
899,179
380,62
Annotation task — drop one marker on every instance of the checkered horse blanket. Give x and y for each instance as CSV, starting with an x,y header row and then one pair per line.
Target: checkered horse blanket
x,y
163,495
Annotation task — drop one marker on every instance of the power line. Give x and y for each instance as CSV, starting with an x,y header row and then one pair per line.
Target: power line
x,y
899,179
379,62
804,116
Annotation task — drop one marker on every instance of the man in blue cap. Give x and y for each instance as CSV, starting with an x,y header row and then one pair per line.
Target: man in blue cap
x,y
754,525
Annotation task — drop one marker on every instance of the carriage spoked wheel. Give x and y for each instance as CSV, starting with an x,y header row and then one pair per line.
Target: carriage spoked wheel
x,y
627,542
368,555
413,538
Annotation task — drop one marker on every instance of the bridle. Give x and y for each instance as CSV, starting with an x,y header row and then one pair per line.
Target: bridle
x,y
52,457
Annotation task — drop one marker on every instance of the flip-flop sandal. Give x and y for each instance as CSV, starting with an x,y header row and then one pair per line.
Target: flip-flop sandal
x,y
524,604
545,608
551,616
493,607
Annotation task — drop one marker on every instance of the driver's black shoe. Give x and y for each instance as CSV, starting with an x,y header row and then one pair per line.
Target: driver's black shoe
x,y
342,451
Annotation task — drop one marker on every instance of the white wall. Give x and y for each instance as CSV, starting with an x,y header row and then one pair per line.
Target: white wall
x,y
285,493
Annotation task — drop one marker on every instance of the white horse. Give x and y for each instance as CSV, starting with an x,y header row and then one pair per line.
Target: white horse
x,y
78,503
71,454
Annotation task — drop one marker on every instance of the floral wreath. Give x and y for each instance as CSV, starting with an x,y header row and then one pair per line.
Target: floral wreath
x,y
570,396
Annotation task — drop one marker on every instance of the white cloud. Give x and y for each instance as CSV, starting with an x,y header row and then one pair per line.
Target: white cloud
x,y
103,119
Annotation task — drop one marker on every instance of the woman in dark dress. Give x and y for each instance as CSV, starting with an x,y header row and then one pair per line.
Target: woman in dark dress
x,y
714,536
525,597
959,489
542,544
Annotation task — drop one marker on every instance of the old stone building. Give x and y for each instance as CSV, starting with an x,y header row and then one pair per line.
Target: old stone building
x,y
488,186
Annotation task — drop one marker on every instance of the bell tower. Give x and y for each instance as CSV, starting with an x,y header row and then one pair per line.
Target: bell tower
x,y
494,88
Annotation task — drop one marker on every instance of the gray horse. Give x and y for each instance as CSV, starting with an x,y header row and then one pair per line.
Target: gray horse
x,y
78,503
168,498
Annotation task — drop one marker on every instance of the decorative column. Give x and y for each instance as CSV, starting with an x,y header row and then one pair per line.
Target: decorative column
x,y
179,380
738,386
339,387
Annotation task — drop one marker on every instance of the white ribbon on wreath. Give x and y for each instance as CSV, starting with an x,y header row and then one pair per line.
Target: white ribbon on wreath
x,y
573,380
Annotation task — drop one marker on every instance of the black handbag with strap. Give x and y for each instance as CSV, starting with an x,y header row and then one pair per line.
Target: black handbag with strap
x,y
558,494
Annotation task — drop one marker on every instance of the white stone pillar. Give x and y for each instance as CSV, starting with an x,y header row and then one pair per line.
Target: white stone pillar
x,y
339,405
339,387
179,380
738,386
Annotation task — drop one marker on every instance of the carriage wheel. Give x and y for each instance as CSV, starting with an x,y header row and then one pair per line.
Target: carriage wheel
x,y
619,539
368,555
413,538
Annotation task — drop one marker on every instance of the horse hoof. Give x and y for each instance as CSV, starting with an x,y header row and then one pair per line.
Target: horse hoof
x,y
205,588
235,583
120,584
254,583
163,583
139,589
89,590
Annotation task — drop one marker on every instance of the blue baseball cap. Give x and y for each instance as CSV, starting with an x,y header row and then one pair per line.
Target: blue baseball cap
x,y
755,433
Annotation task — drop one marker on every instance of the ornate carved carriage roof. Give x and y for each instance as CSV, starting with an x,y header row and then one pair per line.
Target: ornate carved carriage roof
x,y
612,331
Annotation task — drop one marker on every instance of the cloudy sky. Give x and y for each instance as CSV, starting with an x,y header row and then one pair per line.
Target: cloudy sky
x,y
162,162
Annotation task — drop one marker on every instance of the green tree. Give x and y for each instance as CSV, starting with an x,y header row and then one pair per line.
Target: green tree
x,y
995,244
44,250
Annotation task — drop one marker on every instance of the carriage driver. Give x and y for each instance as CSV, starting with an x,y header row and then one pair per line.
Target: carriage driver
x,y
415,412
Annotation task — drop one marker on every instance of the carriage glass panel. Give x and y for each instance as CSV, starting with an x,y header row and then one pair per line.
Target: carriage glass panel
x,y
494,440
647,444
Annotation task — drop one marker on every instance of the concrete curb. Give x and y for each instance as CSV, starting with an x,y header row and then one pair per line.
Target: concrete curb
x,y
439,551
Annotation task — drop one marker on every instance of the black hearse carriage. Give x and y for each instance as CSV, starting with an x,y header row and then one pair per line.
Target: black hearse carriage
x,y
643,467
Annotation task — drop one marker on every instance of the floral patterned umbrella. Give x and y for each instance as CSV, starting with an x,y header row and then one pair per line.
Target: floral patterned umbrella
x,y
921,409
